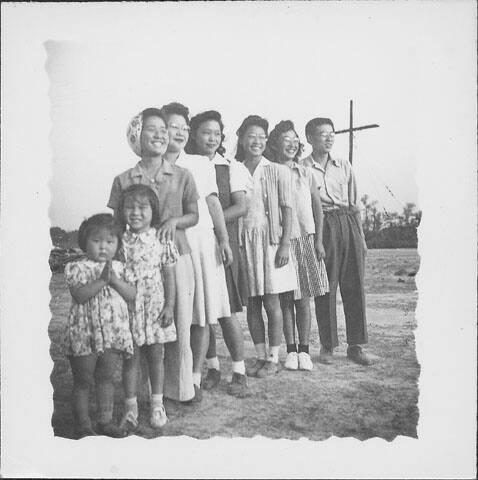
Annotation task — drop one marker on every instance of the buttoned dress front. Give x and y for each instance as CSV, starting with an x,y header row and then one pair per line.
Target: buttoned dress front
x,y
211,299
261,230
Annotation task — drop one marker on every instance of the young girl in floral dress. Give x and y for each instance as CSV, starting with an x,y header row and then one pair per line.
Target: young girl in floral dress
x,y
283,147
151,264
98,326
265,242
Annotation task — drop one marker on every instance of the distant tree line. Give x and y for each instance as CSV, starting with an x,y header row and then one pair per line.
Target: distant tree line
x,y
390,229
382,229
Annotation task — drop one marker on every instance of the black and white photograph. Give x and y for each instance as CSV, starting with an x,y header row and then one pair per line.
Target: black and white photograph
x,y
239,239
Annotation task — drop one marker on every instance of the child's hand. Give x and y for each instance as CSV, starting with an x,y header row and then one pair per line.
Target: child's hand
x,y
320,250
282,256
167,230
226,253
106,273
166,316
113,278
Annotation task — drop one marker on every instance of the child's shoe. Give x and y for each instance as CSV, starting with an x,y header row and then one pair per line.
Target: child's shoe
x,y
158,417
292,361
129,422
305,363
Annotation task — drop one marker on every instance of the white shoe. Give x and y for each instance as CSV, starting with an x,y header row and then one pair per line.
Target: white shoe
x,y
291,361
158,417
305,363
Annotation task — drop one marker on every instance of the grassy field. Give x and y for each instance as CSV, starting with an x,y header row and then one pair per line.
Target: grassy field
x,y
342,399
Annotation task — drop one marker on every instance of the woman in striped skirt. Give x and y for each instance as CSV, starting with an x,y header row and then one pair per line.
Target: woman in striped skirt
x,y
307,251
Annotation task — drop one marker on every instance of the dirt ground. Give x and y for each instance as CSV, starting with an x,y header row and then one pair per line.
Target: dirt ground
x,y
342,399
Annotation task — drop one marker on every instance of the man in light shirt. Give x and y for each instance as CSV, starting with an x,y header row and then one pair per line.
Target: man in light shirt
x,y
344,244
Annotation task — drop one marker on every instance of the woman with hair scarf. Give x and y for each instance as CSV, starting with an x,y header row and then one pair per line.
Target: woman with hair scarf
x,y
178,197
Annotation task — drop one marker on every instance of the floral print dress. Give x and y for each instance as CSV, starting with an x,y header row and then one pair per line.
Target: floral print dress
x,y
145,257
102,322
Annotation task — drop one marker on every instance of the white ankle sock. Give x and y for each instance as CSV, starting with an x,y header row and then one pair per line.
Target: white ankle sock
x,y
273,354
261,351
197,378
239,367
212,363
131,404
156,399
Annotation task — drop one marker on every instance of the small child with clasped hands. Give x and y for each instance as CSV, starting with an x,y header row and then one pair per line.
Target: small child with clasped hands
x,y
97,330
151,263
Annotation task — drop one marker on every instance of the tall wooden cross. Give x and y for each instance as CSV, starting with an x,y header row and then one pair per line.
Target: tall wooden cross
x,y
352,129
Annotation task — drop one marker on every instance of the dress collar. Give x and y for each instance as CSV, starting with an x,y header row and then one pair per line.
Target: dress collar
x,y
146,237
220,160
138,171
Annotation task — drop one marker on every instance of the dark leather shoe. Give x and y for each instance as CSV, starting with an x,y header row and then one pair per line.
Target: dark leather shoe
x,y
238,386
325,355
269,369
211,380
357,355
255,367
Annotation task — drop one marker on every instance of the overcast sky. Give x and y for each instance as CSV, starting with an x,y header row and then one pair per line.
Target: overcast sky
x,y
292,61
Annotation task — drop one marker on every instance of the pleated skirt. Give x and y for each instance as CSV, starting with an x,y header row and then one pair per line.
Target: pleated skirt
x,y
310,271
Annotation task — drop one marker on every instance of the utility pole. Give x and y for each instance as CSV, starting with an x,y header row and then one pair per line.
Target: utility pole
x,y
352,129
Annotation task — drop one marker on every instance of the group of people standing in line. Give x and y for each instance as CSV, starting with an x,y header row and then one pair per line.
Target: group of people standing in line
x,y
193,239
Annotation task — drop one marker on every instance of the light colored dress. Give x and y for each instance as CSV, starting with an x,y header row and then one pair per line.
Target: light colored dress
x,y
211,299
102,322
261,229
145,257
311,273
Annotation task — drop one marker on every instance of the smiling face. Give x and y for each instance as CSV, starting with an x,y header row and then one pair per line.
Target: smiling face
x,y
101,245
154,137
138,213
178,131
208,138
287,146
322,138
254,141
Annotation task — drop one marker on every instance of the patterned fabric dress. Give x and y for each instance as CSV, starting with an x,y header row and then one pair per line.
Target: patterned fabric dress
x,y
145,257
102,322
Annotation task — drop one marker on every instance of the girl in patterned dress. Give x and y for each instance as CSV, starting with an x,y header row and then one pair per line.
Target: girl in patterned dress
x,y
98,325
283,147
265,242
151,264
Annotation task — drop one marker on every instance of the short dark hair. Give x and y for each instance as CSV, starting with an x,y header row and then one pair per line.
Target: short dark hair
x,y
139,190
249,121
96,222
317,122
196,122
152,112
282,127
174,108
